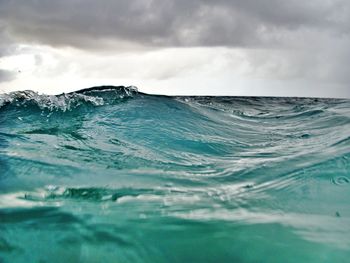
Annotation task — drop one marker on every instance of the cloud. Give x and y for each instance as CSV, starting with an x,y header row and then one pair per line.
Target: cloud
x,y
292,40
6,75
170,23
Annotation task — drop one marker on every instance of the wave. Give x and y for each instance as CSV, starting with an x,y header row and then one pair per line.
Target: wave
x,y
96,96
115,173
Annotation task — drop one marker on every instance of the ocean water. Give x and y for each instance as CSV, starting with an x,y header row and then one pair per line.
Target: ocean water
x,y
109,174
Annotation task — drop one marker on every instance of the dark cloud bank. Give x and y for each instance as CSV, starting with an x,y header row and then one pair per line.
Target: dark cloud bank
x,y
6,75
248,23
313,35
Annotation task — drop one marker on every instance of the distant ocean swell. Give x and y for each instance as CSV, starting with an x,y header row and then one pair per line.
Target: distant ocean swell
x,y
109,174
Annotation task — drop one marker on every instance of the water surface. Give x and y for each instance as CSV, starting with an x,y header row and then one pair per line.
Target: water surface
x,y
112,175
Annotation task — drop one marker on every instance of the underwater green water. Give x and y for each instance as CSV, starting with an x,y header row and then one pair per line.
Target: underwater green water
x,y
113,175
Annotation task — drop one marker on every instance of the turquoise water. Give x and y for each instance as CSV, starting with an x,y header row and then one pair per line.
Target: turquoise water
x,y
112,175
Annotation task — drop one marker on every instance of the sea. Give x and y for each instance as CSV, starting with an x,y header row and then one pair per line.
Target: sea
x,y
110,174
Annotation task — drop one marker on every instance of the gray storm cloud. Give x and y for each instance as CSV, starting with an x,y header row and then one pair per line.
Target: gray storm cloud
x,y
292,39
6,48
248,23
6,75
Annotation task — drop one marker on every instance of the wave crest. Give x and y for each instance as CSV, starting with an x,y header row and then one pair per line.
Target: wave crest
x,y
95,96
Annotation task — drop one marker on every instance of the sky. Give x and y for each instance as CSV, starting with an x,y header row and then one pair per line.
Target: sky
x,y
177,47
